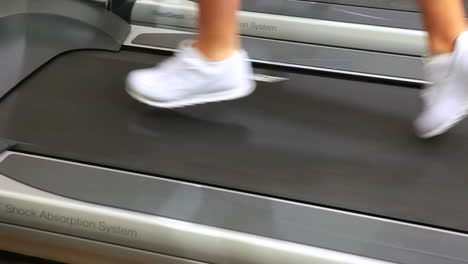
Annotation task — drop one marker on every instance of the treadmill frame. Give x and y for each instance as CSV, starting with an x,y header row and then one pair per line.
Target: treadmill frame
x,y
331,231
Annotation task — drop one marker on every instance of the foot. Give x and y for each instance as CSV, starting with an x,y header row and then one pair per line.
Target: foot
x,y
189,78
446,98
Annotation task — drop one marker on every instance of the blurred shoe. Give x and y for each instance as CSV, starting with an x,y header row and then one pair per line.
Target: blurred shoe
x,y
446,98
189,78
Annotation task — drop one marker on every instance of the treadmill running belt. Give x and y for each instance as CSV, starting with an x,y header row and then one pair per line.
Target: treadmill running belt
x,y
314,138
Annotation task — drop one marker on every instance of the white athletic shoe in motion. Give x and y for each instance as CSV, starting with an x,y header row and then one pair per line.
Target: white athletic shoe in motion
x,y
446,98
189,78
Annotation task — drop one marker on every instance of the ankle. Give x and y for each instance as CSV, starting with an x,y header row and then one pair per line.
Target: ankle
x,y
441,44
216,52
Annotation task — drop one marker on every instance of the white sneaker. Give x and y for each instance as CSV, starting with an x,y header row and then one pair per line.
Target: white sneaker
x,y
446,99
189,78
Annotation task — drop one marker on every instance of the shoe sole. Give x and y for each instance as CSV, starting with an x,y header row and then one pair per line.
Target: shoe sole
x,y
232,94
445,127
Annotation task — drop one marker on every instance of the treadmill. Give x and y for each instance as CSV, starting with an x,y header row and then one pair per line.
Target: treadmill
x,y
319,165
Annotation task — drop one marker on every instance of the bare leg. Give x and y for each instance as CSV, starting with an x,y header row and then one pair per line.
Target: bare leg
x,y
446,97
445,21
218,28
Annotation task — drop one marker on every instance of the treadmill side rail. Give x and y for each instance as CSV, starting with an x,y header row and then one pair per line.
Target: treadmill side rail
x,y
296,29
203,223
35,31
25,206
69,249
275,52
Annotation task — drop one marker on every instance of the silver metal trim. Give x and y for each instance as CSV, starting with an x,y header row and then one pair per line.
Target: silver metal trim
x,y
26,206
337,12
82,246
408,5
183,13
136,30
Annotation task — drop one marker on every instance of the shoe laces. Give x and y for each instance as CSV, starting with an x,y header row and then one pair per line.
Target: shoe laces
x,y
186,61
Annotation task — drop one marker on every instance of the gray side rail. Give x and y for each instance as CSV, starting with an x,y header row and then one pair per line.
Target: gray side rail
x,y
71,249
337,12
183,14
407,5
205,223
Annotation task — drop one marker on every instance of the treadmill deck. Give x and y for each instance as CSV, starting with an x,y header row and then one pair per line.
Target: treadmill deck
x,y
316,139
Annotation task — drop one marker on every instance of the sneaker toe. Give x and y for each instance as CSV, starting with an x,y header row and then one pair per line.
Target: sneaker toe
x,y
437,120
151,85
